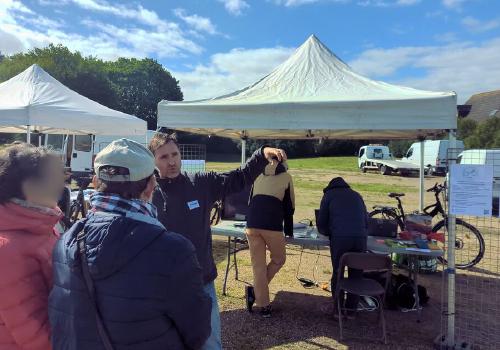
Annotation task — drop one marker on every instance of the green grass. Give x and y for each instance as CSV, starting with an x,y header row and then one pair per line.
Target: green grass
x,y
320,163
312,185
325,163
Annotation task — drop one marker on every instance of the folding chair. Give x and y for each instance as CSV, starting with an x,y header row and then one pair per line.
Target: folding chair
x,y
363,286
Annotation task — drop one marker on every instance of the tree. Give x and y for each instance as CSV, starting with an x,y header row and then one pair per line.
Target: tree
x,y
466,128
140,85
85,75
485,135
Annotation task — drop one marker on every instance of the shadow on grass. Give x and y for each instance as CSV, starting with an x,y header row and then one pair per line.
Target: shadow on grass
x,y
297,322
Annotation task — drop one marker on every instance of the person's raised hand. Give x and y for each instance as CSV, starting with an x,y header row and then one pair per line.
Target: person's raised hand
x,y
270,153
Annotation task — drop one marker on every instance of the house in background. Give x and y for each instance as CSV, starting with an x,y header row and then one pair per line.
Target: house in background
x,y
481,106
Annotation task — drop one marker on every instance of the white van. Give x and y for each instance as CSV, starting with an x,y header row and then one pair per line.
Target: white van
x,y
435,155
485,157
78,151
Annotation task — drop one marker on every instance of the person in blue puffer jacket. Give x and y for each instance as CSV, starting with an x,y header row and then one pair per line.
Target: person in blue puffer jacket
x,y
148,282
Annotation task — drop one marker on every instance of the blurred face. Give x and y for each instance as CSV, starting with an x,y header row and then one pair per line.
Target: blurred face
x,y
46,189
168,160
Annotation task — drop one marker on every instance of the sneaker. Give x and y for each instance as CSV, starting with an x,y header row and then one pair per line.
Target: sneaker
x,y
249,297
266,311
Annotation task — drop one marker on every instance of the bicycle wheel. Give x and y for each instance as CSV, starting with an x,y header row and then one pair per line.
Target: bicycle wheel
x,y
469,244
388,215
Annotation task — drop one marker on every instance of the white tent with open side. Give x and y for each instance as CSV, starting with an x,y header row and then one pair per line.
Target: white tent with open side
x,y
35,101
315,95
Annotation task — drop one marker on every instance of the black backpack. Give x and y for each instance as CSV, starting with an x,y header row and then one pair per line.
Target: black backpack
x,y
400,293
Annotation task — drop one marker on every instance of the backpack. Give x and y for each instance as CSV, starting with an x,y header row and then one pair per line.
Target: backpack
x,y
400,293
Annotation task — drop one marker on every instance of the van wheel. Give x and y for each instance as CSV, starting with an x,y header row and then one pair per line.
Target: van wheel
x,y
362,168
385,170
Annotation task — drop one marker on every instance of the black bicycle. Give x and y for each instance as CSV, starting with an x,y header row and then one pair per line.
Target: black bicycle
x,y
469,243
78,208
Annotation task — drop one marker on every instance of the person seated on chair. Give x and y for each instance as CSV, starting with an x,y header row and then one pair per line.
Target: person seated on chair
x,y
270,214
343,217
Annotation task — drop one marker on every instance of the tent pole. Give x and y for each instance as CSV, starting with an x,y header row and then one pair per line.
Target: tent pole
x,y
451,247
421,204
243,150
28,134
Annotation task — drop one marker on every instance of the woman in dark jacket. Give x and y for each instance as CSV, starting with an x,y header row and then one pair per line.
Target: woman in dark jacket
x,y
271,212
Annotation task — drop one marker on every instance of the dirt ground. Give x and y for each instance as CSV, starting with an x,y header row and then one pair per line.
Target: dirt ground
x,y
300,320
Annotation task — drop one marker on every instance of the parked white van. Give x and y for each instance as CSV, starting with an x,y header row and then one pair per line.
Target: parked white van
x,y
435,155
485,157
78,151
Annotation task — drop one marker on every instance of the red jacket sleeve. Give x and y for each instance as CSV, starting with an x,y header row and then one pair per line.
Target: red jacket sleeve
x,y
23,300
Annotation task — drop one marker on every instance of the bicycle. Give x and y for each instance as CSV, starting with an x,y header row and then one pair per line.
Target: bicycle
x,y
78,209
469,242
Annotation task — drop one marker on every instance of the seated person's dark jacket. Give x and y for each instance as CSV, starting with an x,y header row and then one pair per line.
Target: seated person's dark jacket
x,y
342,211
148,286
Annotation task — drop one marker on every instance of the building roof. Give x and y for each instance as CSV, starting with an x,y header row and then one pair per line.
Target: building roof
x,y
484,105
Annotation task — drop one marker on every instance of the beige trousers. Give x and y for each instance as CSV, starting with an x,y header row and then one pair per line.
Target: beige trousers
x,y
258,241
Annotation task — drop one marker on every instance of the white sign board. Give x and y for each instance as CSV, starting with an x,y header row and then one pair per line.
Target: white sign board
x,y
471,189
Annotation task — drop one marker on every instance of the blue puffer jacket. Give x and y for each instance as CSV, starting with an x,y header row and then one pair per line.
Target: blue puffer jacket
x,y
148,285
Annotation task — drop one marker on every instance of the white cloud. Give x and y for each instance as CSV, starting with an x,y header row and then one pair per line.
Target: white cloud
x,y
454,4
137,13
198,23
235,7
387,3
155,37
377,3
466,67
477,26
447,37
230,71
9,43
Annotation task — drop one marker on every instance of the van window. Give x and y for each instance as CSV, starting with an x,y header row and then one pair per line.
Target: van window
x,y
83,143
361,152
410,152
459,159
55,142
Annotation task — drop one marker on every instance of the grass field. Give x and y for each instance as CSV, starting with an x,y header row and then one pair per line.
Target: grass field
x,y
300,321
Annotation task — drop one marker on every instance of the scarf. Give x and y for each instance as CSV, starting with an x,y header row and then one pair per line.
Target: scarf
x,y
112,203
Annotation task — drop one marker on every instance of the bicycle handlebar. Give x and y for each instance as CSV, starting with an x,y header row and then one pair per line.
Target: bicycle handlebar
x,y
436,188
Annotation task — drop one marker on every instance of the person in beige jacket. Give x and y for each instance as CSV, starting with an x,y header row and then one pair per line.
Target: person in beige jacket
x,y
272,204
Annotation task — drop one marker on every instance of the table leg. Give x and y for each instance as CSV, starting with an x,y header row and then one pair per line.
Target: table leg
x,y
227,266
415,269
235,262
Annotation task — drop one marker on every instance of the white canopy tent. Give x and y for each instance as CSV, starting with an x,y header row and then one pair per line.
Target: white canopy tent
x,y
33,101
315,95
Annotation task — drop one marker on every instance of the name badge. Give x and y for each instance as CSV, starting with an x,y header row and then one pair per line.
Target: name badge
x,y
193,205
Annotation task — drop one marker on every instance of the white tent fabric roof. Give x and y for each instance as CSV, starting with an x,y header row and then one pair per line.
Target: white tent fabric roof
x,y
35,98
315,94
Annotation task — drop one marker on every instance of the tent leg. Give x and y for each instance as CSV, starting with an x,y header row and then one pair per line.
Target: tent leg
x,y
243,151
28,134
451,250
421,204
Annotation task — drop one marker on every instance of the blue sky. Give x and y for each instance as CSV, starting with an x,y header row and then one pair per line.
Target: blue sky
x,y
217,46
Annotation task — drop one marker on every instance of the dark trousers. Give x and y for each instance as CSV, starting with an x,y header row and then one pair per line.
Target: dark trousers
x,y
339,246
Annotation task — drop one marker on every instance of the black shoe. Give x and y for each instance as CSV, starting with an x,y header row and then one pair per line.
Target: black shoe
x,y
249,297
266,311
